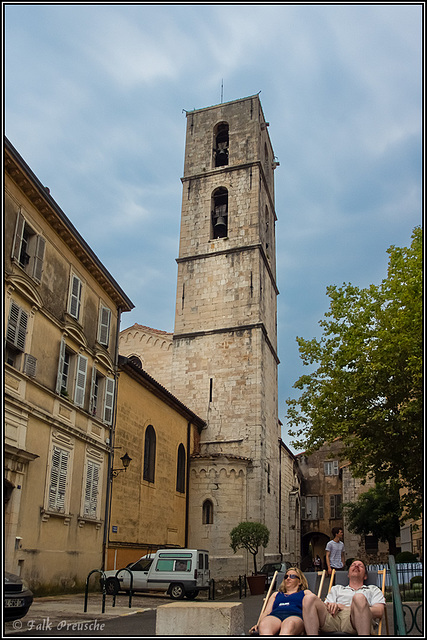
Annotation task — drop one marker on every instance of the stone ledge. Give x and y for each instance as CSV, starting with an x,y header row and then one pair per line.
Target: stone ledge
x,y
200,619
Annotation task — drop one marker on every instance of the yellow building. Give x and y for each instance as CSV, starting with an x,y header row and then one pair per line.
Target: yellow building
x,y
62,316
149,501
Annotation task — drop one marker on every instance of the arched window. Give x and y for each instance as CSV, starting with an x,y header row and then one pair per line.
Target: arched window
x,y
136,360
221,145
207,512
180,469
149,454
219,228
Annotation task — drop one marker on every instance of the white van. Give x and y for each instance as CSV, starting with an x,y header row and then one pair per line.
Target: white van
x,y
179,572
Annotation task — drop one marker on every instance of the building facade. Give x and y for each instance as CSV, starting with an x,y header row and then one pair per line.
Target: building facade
x,y
224,363
290,512
149,501
62,315
327,484
152,348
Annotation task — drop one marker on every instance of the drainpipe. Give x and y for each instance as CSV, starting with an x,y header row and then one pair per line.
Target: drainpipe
x,y
109,492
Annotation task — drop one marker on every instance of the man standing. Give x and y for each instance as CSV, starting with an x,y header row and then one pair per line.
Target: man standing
x,y
335,551
354,609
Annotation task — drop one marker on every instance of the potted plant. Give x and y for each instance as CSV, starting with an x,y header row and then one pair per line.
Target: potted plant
x,y
251,536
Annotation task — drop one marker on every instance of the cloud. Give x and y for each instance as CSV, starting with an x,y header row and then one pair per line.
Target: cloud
x,y
94,103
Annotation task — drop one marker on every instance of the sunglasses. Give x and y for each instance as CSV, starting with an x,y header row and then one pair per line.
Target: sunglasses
x,y
292,576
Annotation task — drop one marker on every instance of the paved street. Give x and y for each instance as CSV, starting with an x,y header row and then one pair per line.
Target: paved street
x,y
65,616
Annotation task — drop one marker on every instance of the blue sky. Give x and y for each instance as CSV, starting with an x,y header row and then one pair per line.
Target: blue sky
x,y
94,100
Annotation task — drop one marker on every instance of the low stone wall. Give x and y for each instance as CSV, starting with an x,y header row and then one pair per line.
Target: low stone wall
x,y
200,619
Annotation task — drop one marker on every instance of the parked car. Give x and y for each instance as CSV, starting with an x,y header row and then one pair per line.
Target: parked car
x,y
179,572
17,597
270,568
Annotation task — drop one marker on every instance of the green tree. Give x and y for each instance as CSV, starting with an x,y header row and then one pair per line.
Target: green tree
x,y
367,388
250,536
376,512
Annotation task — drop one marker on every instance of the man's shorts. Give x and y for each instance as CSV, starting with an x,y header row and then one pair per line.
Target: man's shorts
x,y
341,622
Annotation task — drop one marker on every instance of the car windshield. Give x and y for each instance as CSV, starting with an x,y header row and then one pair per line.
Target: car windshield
x,y
142,565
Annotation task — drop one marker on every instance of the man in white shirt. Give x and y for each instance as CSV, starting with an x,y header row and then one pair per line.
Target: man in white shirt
x,y
353,609
335,551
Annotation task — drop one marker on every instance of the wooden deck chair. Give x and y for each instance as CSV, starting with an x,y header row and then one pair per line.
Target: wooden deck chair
x,y
269,592
341,577
314,579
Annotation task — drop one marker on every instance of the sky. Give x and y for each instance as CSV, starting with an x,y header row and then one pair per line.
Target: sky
x,y
95,98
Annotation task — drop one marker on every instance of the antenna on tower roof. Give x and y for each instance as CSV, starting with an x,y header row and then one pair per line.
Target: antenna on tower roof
x,y
222,90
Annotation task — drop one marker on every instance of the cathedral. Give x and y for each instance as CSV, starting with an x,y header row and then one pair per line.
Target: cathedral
x,y
221,360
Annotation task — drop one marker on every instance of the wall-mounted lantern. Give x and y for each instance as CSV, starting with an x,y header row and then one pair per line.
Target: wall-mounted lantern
x,y
126,460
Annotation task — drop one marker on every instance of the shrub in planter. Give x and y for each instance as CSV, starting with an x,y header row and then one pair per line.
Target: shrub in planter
x,y
405,556
250,536
416,582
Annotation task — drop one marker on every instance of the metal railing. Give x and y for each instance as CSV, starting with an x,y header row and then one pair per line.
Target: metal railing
x,y
405,616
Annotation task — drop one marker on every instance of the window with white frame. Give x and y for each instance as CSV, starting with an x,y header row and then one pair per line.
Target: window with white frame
x,y
75,296
91,489
104,326
72,374
28,248
331,468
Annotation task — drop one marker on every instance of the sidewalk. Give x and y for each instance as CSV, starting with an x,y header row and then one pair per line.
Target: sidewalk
x,y
63,611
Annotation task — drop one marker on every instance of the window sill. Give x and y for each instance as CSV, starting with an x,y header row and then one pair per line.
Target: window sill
x,y
83,520
46,515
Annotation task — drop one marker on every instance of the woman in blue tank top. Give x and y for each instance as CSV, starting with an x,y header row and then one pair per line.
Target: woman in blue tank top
x,y
283,613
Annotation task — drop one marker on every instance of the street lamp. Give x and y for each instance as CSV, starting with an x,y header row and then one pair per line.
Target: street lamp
x,y
126,460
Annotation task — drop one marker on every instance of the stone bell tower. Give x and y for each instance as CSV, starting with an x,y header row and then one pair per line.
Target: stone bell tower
x,y
225,338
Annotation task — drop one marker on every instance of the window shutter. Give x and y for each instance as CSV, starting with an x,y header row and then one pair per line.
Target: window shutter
x,y
17,326
80,387
60,366
92,399
320,507
30,365
38,258
104,326
75,297
17,240
58,480
91,490
109,400
303,508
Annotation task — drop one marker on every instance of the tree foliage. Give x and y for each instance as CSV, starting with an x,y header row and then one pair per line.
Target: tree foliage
x,y
250,536
367,388
376,512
